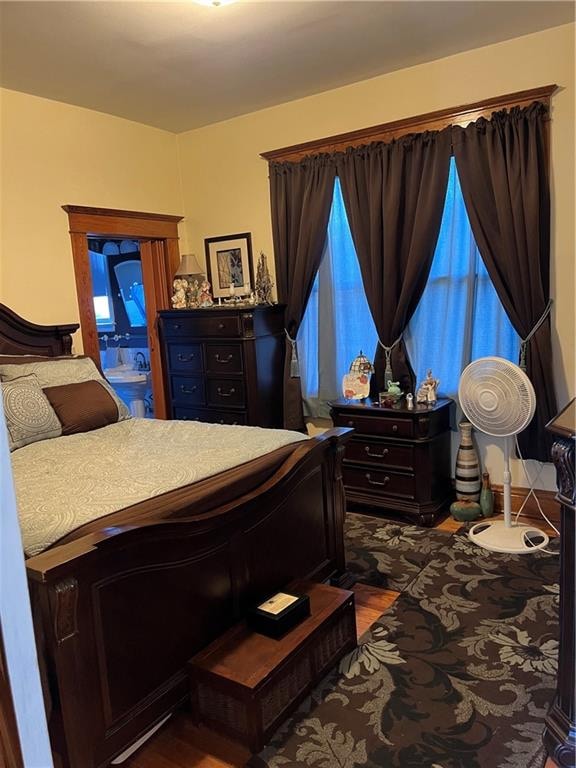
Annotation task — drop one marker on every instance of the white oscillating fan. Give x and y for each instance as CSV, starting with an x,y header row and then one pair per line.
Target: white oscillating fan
x,y
498,399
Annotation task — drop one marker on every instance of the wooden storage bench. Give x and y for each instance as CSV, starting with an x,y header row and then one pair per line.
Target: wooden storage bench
x,y
245,684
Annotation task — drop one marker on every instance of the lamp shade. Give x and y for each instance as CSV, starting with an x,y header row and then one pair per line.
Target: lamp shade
x,y
189,265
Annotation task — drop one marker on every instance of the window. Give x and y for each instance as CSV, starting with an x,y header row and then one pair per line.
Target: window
x,y
459,317
103,304
337,323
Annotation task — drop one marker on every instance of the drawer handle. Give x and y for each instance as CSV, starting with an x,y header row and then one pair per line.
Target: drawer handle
x,y
230,392
233,423
222,360
350,423
385,451
221,326
394,427
188,390
186,358
191,418
377,482
176,326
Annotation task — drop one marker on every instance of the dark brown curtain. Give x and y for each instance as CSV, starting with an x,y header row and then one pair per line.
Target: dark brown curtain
x,y
301,197
394,196
503,168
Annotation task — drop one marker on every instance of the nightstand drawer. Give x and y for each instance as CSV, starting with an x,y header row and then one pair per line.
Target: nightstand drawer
x,y
212,325
376,425
210,415
375,481
185,357
226,392
223,358
380,454
187,389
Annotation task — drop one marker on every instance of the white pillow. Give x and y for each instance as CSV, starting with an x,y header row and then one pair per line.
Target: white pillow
x,y
59,371
29,415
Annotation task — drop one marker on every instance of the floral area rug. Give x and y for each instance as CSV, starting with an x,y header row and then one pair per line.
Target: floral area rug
x,y
388,555
458,673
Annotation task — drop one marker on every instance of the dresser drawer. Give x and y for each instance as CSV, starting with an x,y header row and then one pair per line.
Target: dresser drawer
x,y
376,425
211,416
226,392
376,481
214,325
224,358
187,389
380,454
185,357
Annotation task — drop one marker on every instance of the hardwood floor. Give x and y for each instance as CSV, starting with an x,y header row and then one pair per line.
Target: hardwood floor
x,y
181,744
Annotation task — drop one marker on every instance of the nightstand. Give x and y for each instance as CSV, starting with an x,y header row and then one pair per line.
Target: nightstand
x,y
398,459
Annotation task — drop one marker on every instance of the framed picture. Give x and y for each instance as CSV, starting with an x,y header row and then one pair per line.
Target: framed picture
x,y
229,262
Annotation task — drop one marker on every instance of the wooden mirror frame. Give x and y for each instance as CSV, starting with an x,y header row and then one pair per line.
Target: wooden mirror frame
x,y
158,238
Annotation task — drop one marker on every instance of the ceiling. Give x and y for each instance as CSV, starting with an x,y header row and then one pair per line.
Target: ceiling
x,y
180,65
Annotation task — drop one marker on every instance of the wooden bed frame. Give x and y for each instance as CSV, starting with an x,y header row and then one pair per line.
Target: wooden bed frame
x,y
120,610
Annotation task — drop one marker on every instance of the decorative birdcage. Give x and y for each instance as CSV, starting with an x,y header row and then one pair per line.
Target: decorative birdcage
x,y
356,383
361,365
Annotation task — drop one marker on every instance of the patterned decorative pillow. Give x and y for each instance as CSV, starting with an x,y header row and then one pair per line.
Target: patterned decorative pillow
x,y
29,415
60,371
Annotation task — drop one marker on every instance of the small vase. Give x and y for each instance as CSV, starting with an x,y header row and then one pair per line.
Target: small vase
x,y
467,466
486,496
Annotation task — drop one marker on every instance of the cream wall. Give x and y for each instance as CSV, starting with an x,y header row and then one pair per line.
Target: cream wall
x,y
53,154
226,187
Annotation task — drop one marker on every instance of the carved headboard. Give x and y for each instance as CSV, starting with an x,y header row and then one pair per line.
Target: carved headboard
x,y
20,337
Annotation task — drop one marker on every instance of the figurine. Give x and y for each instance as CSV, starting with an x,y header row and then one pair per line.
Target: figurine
x,y
192,295
427,390
205,296
264,282
180,286
393,388
410,401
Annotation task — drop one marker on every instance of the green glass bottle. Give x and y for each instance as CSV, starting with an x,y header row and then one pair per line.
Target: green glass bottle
x,y
486,496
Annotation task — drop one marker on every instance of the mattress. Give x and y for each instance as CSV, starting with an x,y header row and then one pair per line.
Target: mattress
x,y
68,482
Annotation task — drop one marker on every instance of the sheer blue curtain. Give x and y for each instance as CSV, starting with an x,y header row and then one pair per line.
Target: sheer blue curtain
x,y
337,323
460,317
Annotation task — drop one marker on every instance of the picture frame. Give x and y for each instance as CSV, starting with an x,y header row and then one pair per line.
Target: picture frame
x,y
229,261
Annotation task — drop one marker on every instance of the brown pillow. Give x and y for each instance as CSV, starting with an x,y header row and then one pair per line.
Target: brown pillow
x,y
82,407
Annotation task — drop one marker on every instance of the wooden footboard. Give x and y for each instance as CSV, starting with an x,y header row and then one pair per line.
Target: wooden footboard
x,y
120,611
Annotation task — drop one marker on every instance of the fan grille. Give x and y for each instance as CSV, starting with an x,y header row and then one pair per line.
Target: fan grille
x,y
496,396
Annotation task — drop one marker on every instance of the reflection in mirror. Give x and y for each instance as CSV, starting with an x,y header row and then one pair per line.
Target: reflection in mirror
x,y
129,276
102,293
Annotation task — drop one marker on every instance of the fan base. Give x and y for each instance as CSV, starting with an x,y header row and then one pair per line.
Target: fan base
x,y
513,539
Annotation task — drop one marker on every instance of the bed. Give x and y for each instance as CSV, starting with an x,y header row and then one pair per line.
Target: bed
x,y
121,602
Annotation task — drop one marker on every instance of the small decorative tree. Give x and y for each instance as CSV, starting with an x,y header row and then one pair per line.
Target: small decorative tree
x,y
264,282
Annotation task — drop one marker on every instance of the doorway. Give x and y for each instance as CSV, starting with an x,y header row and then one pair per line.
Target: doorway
x,y
121,323
114,289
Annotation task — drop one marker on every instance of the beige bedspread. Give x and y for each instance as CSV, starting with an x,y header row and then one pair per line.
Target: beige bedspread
x,y
67,482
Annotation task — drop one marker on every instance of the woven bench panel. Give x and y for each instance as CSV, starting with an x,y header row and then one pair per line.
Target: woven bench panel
x,y
222,708
332,641
285,689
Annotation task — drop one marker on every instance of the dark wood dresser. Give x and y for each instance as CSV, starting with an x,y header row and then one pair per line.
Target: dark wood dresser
x,y
398,459
560,731
224,365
